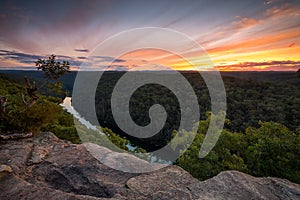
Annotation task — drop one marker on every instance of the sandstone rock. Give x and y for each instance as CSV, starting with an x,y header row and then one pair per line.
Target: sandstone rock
x,y
5,168
121,161
48,168
14,136
237,185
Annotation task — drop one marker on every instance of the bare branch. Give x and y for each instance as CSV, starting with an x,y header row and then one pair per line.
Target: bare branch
x,y
3,101
31,89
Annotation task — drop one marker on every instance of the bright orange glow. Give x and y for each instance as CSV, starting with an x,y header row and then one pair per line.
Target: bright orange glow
x,y
231,56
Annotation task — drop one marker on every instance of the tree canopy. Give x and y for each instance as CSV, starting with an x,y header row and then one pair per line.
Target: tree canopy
x,y
52,68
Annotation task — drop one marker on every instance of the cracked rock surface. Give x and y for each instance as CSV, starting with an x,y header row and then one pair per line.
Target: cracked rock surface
x,y
46,167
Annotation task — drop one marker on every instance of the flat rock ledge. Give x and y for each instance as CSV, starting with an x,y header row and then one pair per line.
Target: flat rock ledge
x,y
15,136
46,167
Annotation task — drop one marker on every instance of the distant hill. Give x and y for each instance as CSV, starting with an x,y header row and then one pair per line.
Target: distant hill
x,y
269,76
67,79
285,77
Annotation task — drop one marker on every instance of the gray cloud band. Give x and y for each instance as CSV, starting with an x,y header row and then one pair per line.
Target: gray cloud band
x,y
152,38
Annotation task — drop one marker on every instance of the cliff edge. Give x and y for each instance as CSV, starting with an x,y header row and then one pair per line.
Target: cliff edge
x,y
46,167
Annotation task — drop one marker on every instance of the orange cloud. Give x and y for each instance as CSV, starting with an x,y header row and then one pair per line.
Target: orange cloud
x,y
268,39
285,10
287,65
245,22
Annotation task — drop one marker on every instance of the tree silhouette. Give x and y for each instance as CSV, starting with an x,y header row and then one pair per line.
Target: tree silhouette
x,y
53,69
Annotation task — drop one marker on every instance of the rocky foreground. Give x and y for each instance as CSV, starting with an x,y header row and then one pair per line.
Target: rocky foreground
x,y
48,168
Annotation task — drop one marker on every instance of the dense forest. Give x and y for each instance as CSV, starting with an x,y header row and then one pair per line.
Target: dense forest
x,y
248,102
261,135
270,149
262,131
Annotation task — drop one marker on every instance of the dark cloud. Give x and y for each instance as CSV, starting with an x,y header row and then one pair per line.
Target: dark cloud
x,y
23,56
119,60
17,56
108,59
292,44
254,64
32,58
118,68
64,57
82,50
75,63
82,57
3,51
272,65
18,68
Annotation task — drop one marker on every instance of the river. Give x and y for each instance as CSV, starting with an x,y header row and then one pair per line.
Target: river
x,y
67,105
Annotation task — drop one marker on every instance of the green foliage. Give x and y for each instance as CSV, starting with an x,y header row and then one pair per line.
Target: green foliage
x,y
56,87
23,119
115,139
48,115
270,150
18,118
53,69
247,102
65,133
273,150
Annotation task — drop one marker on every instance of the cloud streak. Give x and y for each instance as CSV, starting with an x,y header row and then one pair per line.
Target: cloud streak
x,y
245,22
107,59
82,50
30,59
285,65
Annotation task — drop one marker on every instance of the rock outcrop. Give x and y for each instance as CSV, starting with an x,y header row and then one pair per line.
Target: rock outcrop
x,y
14,136
48,168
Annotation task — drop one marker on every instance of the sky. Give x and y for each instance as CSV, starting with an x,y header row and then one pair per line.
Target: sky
x,y
250,35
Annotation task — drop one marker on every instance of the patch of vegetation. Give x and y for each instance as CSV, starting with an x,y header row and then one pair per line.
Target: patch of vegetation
x,y
268,150
18,117
248,102
47,115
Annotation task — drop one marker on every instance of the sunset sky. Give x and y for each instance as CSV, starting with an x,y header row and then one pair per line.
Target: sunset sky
x,y
237,35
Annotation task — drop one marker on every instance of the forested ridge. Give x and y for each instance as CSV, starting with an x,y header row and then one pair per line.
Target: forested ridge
x,y
248,102
261,136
